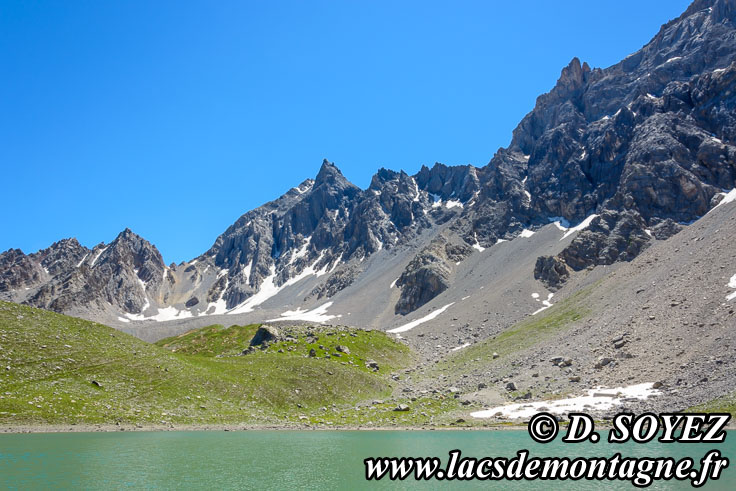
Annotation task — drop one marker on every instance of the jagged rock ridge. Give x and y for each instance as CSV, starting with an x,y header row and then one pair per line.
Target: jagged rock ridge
x,y
630,150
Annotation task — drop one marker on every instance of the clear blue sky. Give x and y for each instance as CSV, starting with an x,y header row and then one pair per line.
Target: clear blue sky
x,y
174,118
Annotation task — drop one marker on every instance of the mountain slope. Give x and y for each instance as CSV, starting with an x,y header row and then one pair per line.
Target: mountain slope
x,y
608,162
59,369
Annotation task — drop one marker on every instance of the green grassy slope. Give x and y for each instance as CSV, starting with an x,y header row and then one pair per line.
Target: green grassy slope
x,y
219,341
59,369
215,340
723,404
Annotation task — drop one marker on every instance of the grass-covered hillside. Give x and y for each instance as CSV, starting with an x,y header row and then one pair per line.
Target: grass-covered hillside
x,y
326,343
60,369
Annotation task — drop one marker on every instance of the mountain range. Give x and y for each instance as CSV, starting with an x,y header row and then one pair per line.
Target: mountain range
x,y
609,163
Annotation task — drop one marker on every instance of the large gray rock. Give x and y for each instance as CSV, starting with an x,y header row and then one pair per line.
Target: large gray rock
x,y
265,335
551,271
428,274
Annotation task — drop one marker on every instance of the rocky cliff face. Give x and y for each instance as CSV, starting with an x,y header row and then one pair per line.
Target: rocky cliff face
x,y
68,275
627,151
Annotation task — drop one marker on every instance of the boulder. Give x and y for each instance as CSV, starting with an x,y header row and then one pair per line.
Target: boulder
x,y
265,335
551,271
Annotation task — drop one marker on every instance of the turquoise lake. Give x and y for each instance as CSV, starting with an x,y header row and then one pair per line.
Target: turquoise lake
x,y
290,459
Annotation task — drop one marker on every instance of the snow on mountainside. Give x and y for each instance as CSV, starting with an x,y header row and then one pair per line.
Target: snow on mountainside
x,y
608,162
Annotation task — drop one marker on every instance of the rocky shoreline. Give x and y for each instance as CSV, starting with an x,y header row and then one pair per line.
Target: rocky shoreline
x,y
109,428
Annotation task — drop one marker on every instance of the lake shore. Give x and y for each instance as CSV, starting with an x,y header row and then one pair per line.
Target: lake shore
x,y
95,428
107,428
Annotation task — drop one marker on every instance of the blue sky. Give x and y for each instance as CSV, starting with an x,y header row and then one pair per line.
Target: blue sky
x,y
174,118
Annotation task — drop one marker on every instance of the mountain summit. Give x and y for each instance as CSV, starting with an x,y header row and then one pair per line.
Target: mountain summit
x,y
609,162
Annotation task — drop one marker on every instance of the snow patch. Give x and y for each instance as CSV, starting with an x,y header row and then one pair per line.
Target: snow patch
x,y
727,198
82,261
217,308
674,58
170,314
453,203
577,228
598,399
267,290
98,256
460,347
301,252
477,245
732,284
415,323
526,233
247,270
416,190
560,222
393,283
318,314
123,319
547,304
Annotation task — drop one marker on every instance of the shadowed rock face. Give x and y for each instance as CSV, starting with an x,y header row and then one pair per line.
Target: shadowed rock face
x,y
644,144
428,274
18,270
68,275
551,271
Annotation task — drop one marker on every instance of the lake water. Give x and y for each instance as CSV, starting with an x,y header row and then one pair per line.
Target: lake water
x,y
289,459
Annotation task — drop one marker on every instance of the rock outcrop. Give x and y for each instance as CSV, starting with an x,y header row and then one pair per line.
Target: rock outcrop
x,y
428,274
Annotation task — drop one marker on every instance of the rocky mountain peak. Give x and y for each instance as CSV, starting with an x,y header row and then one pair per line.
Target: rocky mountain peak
x,y
136,252
330,175
61,256
449,182
719,10
573,76
630,151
